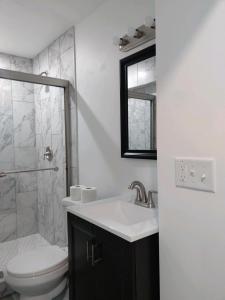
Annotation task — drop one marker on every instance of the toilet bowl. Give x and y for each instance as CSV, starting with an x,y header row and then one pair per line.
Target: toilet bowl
x,y
38,274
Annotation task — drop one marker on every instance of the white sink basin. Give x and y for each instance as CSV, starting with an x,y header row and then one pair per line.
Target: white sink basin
x,y
121,212
123,218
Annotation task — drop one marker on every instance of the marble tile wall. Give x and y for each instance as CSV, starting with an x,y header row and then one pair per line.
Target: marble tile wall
x,y
18,193
58,61
142,73
139,124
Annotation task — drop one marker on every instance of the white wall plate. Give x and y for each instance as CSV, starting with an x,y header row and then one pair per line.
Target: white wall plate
x,y
195,173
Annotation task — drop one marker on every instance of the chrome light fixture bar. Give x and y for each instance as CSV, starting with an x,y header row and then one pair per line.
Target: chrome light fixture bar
x,y
136,37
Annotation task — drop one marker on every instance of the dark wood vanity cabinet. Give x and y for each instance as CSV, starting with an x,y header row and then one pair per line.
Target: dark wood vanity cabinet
x,y
103,266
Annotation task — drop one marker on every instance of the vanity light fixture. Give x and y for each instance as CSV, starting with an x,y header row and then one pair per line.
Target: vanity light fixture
x,y
136,36
121,42
136,33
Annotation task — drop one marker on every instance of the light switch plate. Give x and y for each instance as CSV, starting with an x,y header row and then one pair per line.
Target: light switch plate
x,y
195,173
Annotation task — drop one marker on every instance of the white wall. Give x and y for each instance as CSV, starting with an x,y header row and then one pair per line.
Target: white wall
x,y
98,88
191,122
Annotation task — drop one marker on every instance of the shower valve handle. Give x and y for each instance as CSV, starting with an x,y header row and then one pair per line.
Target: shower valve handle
x,y
48,154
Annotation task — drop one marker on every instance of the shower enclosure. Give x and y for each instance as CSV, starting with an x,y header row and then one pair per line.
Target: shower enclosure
x,y
35,160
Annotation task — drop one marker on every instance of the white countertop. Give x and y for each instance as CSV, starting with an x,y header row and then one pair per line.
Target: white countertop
x,y
120,216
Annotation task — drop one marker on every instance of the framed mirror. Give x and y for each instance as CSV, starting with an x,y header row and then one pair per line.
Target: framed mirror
x,y
138,105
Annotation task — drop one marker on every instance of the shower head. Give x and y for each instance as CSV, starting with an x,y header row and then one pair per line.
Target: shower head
x,y
45,73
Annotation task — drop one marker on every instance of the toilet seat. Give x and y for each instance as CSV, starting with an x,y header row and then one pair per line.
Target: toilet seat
x,y
37,262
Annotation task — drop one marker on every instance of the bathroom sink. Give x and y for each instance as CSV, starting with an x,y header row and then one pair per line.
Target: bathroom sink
x,y
121,217
122,212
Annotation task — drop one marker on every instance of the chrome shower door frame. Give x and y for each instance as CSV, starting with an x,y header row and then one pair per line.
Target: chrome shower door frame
x,y
56,82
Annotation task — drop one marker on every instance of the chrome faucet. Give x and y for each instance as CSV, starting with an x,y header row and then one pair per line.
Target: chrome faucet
x,y
141,198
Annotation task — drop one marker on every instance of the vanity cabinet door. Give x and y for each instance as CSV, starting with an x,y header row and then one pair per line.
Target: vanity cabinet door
x,y
100,263
81,272
114,271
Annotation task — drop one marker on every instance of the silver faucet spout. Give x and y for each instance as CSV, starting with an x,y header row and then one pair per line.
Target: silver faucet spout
x,y
141,198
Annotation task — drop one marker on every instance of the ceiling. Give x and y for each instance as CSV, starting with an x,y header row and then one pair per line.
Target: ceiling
x,y
28,26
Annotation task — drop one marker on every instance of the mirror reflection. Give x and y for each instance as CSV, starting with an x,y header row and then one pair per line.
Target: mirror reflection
x,y
141,83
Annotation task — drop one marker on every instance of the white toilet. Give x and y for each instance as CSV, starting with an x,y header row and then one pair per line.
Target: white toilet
x,y
38,274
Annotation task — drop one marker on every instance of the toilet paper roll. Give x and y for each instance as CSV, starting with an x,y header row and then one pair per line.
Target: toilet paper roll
x,y
88,194
75,192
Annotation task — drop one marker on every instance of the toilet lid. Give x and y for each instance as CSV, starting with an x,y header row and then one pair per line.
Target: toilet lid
x,y
37,262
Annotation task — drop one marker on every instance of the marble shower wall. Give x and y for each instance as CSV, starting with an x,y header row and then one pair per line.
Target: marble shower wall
x,y
58,60
139,116
18,193
50,132
32,118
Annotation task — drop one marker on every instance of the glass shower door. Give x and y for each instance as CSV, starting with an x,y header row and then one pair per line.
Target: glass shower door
x,y
32,138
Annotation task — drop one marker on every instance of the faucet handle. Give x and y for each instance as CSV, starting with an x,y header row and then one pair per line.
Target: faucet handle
x,y
151,202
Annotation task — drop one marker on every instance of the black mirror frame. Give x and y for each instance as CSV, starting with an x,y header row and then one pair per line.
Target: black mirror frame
x,y
124,64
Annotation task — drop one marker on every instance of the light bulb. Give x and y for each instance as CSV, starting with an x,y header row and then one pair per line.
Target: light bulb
x,y
131,31
149,21
116,41
121,42
135,33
